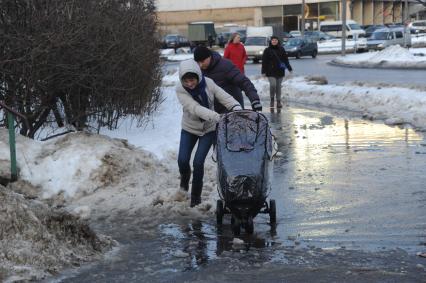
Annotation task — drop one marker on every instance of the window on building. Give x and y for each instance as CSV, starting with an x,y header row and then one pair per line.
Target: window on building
x,y
329,9
311,10
272,21
290,10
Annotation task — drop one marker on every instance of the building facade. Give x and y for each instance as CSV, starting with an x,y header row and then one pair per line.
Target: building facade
x,y
175,15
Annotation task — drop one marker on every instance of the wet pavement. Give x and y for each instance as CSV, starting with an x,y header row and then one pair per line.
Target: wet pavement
x,y
351,201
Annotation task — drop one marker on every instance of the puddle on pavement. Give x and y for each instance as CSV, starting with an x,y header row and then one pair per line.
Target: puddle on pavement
x,y
340,184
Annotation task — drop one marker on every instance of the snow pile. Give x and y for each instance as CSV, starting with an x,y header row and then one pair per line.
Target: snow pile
x,y
37,240
179,57
335,45
418,51
101,176
392,57
395,105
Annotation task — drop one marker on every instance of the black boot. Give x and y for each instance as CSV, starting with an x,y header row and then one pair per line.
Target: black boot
x,y
184,181
196,195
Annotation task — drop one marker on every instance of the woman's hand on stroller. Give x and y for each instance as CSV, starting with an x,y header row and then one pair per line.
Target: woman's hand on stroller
x,y
256,106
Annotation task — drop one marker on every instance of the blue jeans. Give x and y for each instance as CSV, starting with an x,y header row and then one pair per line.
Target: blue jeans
x,y
187,144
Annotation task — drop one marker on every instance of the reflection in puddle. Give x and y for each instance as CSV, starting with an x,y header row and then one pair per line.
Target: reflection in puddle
x,y
201,242
348,182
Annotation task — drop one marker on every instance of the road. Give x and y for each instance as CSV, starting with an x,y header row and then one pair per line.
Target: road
x,y
351,202
337,74
350,196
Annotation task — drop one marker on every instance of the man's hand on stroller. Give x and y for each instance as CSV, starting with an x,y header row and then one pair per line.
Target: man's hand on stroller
x,y
256,106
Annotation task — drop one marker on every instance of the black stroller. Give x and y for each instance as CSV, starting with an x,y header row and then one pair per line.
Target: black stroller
x,y
244,152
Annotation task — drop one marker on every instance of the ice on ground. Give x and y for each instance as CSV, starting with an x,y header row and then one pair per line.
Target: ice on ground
x,y
396,105
37,240
393,56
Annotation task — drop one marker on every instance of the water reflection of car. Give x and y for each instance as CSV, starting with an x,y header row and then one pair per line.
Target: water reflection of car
x,y
318,35
383,38
175,41
301,46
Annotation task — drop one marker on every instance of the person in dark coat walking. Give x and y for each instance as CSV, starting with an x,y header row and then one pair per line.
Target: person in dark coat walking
x,y
224,73
274,63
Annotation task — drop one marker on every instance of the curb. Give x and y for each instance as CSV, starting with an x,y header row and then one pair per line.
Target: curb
x,y
377,66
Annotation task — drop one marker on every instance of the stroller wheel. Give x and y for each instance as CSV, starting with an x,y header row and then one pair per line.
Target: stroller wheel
x,y
249,225
219,212
236,225
272,212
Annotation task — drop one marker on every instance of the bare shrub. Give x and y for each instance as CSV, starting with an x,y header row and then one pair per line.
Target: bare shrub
x,y
79,62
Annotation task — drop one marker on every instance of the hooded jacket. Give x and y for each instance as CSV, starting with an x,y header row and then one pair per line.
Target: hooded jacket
x,y
197,119
224,73
271,58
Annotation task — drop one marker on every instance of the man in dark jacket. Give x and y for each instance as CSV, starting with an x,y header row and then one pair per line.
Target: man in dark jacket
x,y
274,63
224,73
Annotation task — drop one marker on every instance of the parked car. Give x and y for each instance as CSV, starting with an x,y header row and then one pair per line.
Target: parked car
x,y
301,46
286,36
175,41
335,28
383,38
370,29
318,35
418,26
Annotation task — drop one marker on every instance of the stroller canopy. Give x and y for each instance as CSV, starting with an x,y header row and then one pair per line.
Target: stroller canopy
x,y
244,148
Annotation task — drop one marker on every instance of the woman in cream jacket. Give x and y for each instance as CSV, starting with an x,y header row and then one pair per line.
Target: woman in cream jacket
x,y
197,94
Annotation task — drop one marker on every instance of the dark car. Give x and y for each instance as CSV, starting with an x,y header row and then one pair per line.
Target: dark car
x,y
318,35
301,46
175,41
243,35
286,36
370,29
222,38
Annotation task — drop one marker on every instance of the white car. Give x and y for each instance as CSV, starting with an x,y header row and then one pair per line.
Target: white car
x,y
418,26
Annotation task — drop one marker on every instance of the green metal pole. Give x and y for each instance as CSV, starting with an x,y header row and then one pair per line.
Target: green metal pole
x,y
12,144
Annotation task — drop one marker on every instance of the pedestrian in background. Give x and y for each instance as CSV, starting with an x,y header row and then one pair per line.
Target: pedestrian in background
x,y
224,73
236,52
274,63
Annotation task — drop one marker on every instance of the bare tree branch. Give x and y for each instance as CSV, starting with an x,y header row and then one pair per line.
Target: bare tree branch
x,y
79,61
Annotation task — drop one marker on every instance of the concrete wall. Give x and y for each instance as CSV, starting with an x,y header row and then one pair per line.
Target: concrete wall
x,y
357,14
388,12
378,12
397,12
368,9
176,5
177,22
